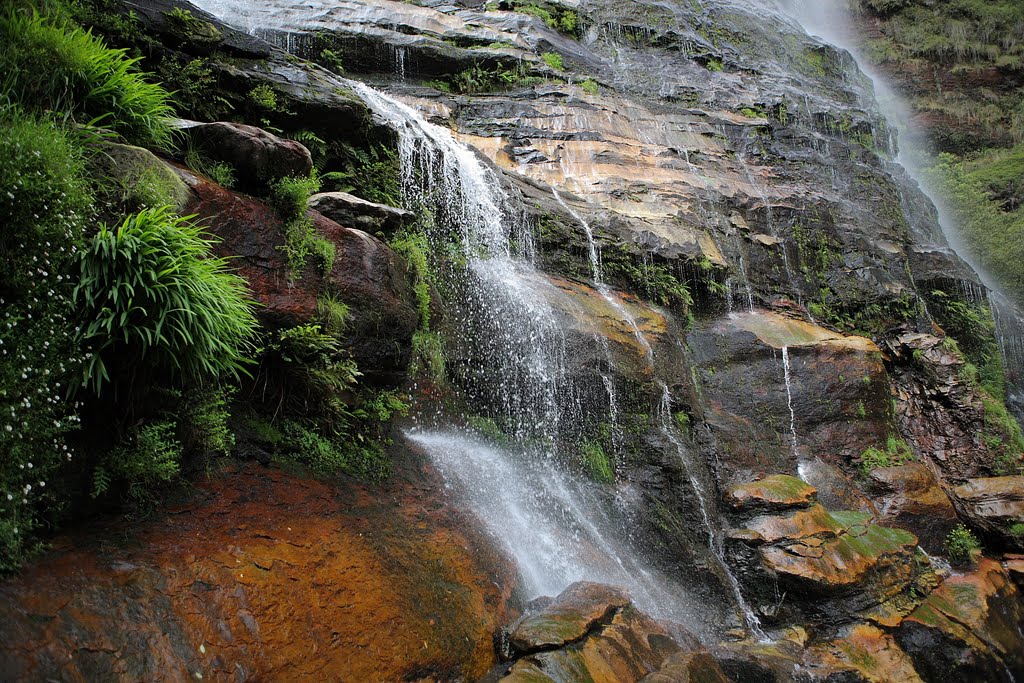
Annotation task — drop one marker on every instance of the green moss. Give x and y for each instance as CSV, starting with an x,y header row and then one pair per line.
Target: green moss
x,y
895,452
596,462
590,86
554,60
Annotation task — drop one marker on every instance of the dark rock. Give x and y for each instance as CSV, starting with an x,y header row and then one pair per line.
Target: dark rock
x,y
135,177
351,211
969,629
258,157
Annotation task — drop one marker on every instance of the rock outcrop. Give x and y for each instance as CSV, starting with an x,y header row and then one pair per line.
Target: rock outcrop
x,y
994,505
258,158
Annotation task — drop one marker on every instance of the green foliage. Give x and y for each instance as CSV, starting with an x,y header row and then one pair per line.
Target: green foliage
x,y
328,454
194,87
477,79
156,301
488,428
332,313
50,67
1017,531
1002,434
307,372
372,174
714,65
961,545
149,457
682,421
219,172
264,97
205,412
656,281
46,205
427,346
591,86
290,196
554,60
596,462
895,452
557,17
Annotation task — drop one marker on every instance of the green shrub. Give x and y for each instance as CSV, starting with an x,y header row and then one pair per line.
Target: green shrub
x,y
45,205
329,455
263,96
155,300
1017,531
290,196
307,372
61,68
590,86
205,413
332,314
149,457
488,428
961,544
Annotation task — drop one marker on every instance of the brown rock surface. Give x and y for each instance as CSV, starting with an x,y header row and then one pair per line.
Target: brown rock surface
x,y
567,618
263,576
591,632
367,276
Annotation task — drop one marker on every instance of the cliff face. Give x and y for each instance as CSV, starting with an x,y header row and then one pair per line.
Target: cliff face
x,y
761,334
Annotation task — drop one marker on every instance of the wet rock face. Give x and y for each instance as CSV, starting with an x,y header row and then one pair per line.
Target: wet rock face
x,y
833,566
347,209
566,619
910,497
368,276
264,576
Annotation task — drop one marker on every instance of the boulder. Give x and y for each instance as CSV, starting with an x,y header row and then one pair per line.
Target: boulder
x,y
774,492
258,157
830,566
567,618
968,629
592,632
351,211
864,652
134,177
910,497
995,505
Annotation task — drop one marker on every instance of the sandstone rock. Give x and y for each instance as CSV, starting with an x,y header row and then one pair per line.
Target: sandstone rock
x,y
688,667
968,629
263,576
367,276
567,618
774,492
353,212
994,505
258,157
910,498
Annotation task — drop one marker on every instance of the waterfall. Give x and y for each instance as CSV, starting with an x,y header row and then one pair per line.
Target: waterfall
x,y
831,20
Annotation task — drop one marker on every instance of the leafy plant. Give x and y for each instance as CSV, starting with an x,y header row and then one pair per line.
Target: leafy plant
x,y
155,300
290,195
554,60
590,86
148,457
59,67
895,452
961,545
46,204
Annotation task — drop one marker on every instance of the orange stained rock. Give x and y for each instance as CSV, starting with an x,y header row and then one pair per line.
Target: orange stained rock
x,y
266,577
871,652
